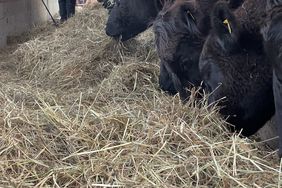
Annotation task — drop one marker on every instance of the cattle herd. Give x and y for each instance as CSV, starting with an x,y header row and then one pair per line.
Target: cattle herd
x,y
232,49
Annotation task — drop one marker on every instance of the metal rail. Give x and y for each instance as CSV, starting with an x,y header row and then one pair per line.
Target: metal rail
x,y
54,21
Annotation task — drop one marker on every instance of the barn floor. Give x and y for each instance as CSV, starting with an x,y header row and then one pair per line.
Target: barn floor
x,y
80,110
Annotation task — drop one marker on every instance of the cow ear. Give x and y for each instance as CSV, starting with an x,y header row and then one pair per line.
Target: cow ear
x,y
224,26
191,18
222,19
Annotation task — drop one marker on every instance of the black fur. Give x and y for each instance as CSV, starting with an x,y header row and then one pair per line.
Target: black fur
x,y
233,4
179,40
165,81
180,30
235,74
272,32
128,18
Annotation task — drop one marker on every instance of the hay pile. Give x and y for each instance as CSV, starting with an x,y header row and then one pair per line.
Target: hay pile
x,y
79,110
77,54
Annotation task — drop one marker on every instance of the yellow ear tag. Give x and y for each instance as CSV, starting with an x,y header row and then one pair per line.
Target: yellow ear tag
x,y
226,22
189,13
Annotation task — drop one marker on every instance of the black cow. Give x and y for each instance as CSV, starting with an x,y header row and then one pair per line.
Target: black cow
x,y
128,18
272,32
180,30
236,73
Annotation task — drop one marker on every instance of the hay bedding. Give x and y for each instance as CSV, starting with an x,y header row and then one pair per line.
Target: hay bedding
x,y
81,111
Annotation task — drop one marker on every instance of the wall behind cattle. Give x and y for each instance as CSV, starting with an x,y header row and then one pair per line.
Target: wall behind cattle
x,y
18,16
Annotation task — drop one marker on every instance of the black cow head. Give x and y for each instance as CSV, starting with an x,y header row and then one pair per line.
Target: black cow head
x,y
236,75
179,42
131,17
177,20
